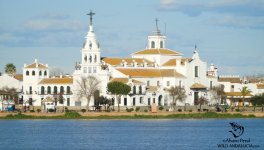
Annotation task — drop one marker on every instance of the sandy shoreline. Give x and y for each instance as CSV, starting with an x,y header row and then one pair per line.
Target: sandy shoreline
x,y
95,114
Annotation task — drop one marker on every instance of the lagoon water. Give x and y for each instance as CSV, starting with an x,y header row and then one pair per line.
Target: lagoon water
x,y
185,134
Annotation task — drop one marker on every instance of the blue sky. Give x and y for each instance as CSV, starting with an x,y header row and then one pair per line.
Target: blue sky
x,y
228,33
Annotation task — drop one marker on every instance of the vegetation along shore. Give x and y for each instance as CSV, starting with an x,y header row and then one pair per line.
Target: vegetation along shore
x,y
76,115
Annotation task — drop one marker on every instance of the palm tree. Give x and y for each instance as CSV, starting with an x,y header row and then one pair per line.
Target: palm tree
x,y
244,92
10,69
177,93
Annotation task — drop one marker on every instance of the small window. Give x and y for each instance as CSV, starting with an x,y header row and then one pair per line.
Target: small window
x,y
45,73
78,103
180,83
68,101
33,73
90,58
148,83
161,44
134,89
148,101
30,90
140,89
27,73
84,69
211,84
196,71
141,100
42,90
94,69
85,58
40,73
68,89
89,70
152,44
158,83
95,58
168,83
55,90
49,90
62,89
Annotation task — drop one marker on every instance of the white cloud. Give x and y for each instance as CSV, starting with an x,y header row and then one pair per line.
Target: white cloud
x,y
241,22
235,7
44,30
167,2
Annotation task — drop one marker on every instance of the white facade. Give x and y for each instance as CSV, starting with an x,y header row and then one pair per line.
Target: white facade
x,y
149,72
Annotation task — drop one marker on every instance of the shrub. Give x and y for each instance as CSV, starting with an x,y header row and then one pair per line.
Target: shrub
x,y
130,109
161,108
145,110
72,114
137,109
38,110
179,110
167,109
107,110
237,110
83,110
51,110
32,111
190,110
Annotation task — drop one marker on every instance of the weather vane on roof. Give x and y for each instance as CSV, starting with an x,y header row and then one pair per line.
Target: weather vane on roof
x,y
91,16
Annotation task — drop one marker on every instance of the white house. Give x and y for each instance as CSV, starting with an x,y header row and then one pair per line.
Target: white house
x,y
150,72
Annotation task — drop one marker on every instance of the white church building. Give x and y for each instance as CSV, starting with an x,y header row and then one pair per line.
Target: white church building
x,y
149,72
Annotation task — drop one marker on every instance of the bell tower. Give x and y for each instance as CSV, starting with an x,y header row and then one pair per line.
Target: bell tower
x,y
90,62
156,40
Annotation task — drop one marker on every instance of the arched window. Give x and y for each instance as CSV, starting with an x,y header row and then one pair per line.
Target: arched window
x,y
55,90
68,89
40,73
42,91
30,90
95,58
152,44
140,89
61,89
45,73
90,58
85,58
33,73
134,90
161,44
49,90
27,73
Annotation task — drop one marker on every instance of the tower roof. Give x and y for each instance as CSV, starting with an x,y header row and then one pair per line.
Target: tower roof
x,y
158,51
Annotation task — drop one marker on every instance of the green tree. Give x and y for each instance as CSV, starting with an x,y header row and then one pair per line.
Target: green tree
x,y
10,69
244,92
87,87
104,101
178,94
258,100
118,89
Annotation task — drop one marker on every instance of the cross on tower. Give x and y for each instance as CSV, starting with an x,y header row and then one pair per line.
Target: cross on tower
x,y
156,22
91,16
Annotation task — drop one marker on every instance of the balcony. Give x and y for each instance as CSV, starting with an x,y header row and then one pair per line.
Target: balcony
x,y
54,93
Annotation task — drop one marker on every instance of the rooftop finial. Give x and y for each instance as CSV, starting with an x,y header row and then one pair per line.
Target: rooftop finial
x,y
195,47
91,16
157,22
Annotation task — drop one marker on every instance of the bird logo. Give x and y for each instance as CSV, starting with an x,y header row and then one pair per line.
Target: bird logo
x,y
237,130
